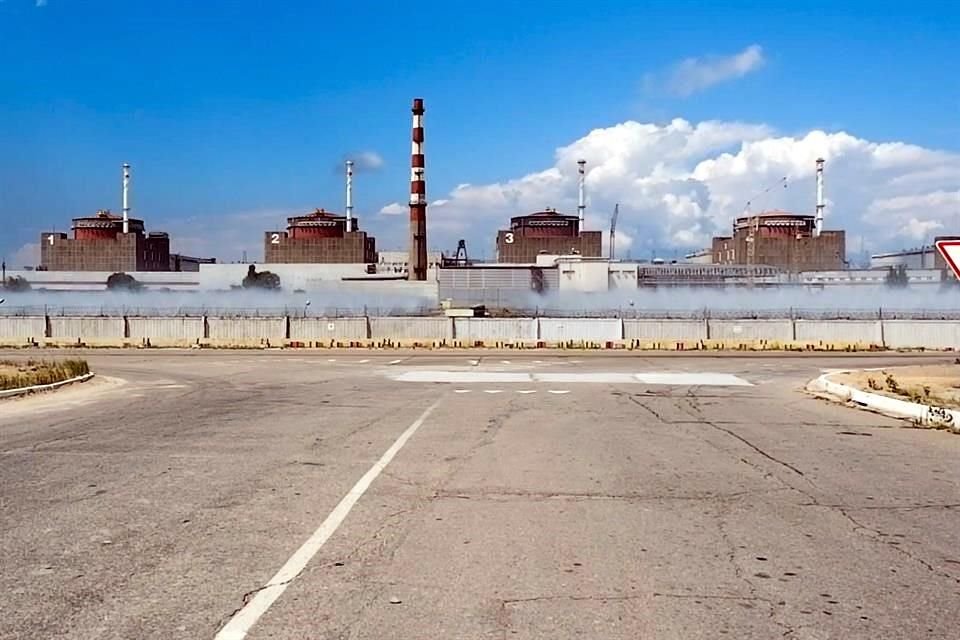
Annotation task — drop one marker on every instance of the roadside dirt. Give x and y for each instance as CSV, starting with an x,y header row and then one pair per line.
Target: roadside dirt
x,y
930,384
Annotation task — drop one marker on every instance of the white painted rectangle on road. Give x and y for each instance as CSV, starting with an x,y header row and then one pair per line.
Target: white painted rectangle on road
x,y
693,379
598,377
462,376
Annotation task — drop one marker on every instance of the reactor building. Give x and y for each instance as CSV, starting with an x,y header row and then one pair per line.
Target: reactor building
x,y
789,241
549,232
322,237
108,242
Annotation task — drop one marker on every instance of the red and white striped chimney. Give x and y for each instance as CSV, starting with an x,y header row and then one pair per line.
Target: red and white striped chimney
x,y
418,200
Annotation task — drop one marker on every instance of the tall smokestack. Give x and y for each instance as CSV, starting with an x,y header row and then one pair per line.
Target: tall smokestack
x,y
349,211
582,203
418,199
126,198
818,220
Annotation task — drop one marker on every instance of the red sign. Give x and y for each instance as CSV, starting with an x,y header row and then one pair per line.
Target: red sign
x,y
950,250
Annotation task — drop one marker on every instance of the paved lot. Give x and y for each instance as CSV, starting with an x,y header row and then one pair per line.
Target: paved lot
x,y
705,498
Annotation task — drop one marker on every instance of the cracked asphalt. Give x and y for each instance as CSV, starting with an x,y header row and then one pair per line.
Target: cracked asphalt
x,y
155,501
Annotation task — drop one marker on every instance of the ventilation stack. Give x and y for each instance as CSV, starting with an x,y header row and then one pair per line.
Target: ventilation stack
x,y
582,202
818,220
418,200
126,198
349,208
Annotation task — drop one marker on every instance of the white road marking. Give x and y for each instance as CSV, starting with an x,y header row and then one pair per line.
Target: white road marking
x,y
240,624
462,390
170,386
504,362
705,379
493,390
525,391
558,391
652,378
462,376
331,359
362,361
395,362
473,363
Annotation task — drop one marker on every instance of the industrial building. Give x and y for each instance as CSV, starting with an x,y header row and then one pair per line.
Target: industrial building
x,y
549,232
320,237
789,241
545,232
112,243
785,240
925,257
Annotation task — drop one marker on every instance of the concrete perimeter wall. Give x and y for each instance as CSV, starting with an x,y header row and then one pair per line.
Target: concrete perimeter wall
x,y
496,329
855,331
747,330
89,330
435,331
327,329
664,330
416,329
166,331
242,331
19,329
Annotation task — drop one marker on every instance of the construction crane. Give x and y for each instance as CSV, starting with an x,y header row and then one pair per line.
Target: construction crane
x,y
460,259
613,230
754,221
783,181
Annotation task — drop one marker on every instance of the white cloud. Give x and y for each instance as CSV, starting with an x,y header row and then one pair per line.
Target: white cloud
x,y
694,75
394,209
26,256
680,183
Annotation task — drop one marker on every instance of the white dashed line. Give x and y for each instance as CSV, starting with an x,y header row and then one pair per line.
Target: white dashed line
x,y
395,362
240,624
331,359
558,391
473,363
525,391
462,390
493,390
504,362
363,361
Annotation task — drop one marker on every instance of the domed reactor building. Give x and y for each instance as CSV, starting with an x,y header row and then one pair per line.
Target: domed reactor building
x,y
322,237
108,242
548,232
789,241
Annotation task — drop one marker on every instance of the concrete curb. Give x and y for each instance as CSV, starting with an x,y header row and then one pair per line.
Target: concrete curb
x,y
15,393
919,414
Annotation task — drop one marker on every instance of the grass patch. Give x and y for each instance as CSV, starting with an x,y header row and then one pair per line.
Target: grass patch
x,y
28,373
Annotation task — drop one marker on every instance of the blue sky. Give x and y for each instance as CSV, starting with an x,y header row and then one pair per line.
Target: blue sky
x,y
237,113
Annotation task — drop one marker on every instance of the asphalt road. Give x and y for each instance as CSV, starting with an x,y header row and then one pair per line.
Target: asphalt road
x,y
708,498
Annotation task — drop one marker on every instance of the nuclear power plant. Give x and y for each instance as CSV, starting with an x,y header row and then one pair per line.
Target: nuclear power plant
x,y
537,252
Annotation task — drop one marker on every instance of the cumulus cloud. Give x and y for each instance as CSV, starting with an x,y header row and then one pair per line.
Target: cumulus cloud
x,y
680,183
694,75
26,256
394,209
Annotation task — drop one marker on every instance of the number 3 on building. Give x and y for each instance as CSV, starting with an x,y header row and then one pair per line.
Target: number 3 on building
x,y
274,238
508,237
